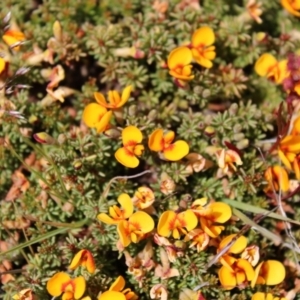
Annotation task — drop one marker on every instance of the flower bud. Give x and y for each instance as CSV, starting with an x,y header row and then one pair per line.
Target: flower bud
x,y
44,138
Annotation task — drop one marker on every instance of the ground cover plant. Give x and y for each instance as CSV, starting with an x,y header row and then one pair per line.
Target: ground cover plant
x,y
150,149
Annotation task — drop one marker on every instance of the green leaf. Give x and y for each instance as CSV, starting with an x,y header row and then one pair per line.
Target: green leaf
x,y
268,234
258,210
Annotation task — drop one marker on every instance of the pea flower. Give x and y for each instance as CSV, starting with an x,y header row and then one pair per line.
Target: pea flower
x,y
270,272
201,46
268,66
61,283
83,258
176,224
135,228
254,10
25,294
117,291
199,238
132,147
211,215
277,178
251,254
13,37
227,159
115,100
239,272
159,291
96,116
289,147
179,63
160,142
292,6
143,197
118,214
265,296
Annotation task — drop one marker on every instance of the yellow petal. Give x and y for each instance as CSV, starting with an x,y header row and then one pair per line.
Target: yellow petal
x,y
282,70
246,267
264,64
107,219
99,97
227,278
258,296
273,272
180,56
144,221
282,177
288,6
131,135
138,150
190,219
237,247
176,151
79,287
203,36
163,227
54,284
2,64
92,114
185,74
102,125
126,204
126,158
118,285
125,95
114,98
112,295
169,137
201,60
284,159
124,233
220,212
76,261
12,37
155,142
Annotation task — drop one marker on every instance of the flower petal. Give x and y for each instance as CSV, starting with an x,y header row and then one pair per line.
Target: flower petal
x,y
155,142
107,219
76,261
203,36
118,285
176,151
124,233
273,272
189,218
227,278
126,158
145,221
131,134
99,97
163,227
126,204
264,64
246,267
125,95
237,247
180,56
287,5
92,114
258,296
220,212
282,177
54,284
112,295
102,125
80,285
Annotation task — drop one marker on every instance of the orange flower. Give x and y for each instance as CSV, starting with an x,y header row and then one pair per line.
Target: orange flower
x,y
135,229
160,142
176,224
292,6
211,215
117,291
118,214
143,197
268,66
289,147
13,37
83,258
127,155
61,283
266,296
115,101
270,272
179,63
202,50
199,238
277,178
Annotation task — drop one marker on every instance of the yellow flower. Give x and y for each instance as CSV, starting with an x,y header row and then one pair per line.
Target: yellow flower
x,y
292,6
179,63
13,37
117,291
288,148
143,197
268,66
96,116
277,178
211,215
176,224
201,46
270,272
115,101
133,230
199,238
118,214
265,296
239,272
83,258
127,155
160,142
25,294
61,283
